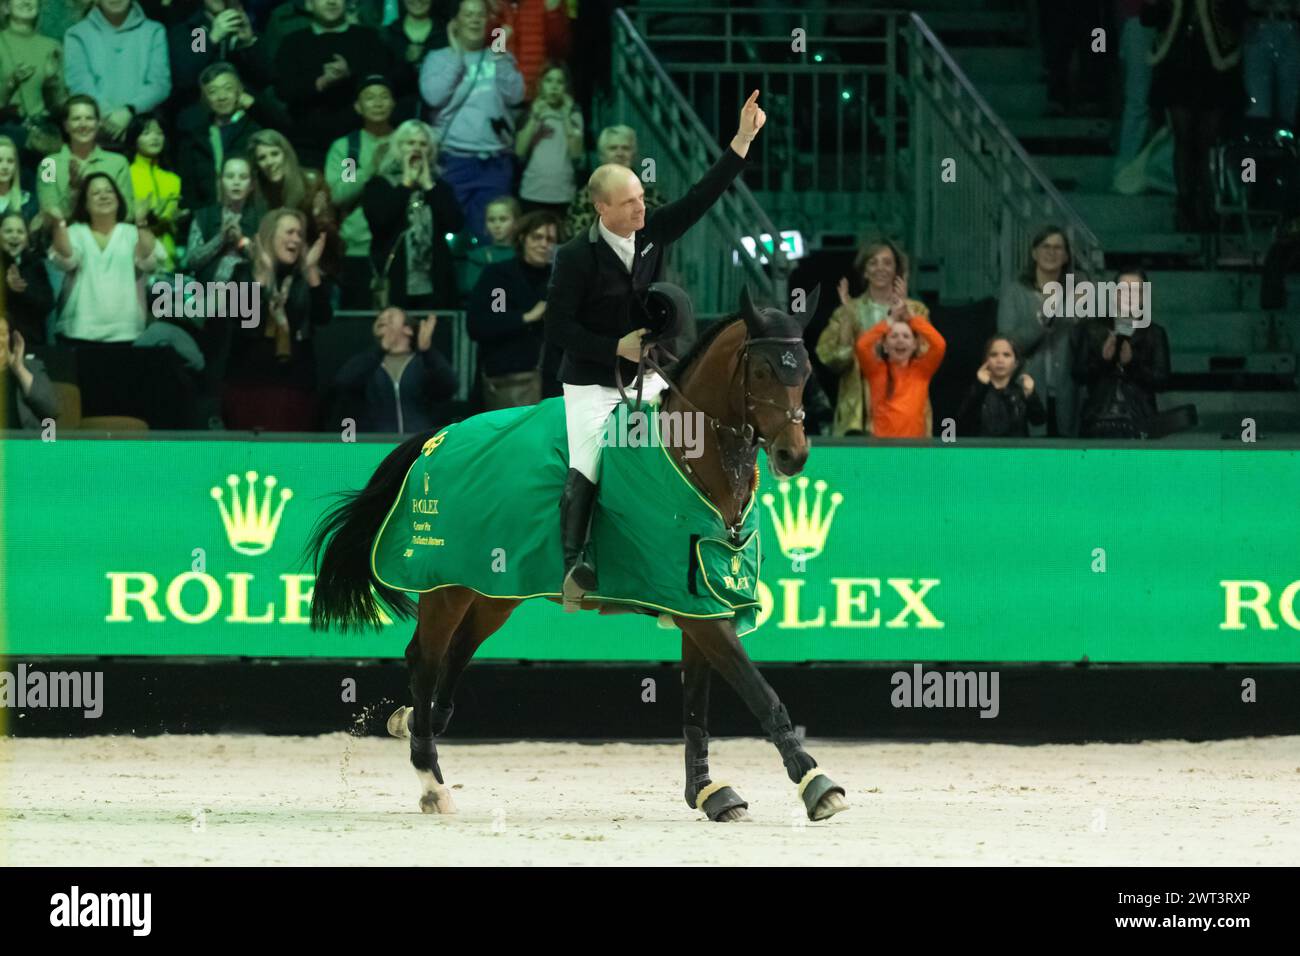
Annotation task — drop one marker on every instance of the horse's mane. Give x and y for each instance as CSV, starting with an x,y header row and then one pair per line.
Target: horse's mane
x,y
701,345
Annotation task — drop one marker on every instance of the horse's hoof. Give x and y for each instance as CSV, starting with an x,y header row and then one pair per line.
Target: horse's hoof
x,y
822,797
437,800
721,804
397,722
829,805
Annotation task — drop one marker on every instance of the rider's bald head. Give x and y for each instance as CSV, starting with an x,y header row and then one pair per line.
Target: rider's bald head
x,y
619,198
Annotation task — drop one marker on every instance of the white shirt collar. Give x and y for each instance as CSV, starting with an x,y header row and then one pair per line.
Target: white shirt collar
x,y
626,248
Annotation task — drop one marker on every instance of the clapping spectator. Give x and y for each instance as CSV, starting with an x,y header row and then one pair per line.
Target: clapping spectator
x,y
271,373
32,91
505,314
228,37
118,56
416,33
352,162
1043,341
220,233
616,144
105,258
156,188
281,181
410,211
13,198
898,370
472,90
1000,404
550,143
28,296
81,155
396,385
1123,366
222,125
320,87
536,32
26,394
883,266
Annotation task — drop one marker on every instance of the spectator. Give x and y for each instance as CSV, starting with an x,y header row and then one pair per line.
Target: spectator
x,y
287,18
28,297
898,370
505,315
32,91
1197,78
395,392
119,57
320,89
228,37
105,258
499,220
271,373
156,189
884,267
351,163
550,143
1271,60
79,157
413,36
537,32
616,144
410,212
472,89
281,181
1122,366
1134,45
222,125
996,406
220,233
26,394
1044,343
13,198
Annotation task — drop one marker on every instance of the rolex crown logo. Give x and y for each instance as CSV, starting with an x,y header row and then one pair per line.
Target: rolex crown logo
x,y
799,532
735,564
250,525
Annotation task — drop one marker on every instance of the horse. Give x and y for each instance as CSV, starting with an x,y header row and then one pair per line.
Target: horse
x,y
745,377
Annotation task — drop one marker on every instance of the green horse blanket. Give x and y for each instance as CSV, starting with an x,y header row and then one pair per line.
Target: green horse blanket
x,y
480,508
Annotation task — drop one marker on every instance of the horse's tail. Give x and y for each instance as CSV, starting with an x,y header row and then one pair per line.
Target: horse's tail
x,y
339,546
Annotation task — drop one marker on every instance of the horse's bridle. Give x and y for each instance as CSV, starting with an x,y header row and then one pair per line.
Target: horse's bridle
x,y
746,432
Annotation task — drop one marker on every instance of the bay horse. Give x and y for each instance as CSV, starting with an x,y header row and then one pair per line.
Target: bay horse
x,y
745,377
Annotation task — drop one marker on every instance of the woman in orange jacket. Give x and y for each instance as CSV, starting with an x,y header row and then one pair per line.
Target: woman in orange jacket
x,y
898,369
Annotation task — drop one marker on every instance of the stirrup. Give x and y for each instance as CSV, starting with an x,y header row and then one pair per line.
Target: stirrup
x,y
574,589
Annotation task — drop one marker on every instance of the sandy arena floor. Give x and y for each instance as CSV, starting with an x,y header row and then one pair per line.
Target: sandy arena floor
x,y
353,801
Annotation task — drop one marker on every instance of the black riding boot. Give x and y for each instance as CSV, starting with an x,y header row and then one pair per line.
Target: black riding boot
x,y
575,522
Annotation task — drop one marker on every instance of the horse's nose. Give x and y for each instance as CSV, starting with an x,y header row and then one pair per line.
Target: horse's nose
x,y
788,462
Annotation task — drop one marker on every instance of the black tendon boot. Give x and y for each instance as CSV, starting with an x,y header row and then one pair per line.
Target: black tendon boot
x,y
575,522
801,768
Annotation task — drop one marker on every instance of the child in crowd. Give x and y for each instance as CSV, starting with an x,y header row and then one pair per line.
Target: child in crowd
x,y
156,188
898,370
28,296
997,406
499,217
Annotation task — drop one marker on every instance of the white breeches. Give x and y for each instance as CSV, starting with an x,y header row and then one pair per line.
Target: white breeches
x,y
586,408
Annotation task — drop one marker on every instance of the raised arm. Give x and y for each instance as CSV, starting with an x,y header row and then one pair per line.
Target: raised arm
x,y
868,358
931,360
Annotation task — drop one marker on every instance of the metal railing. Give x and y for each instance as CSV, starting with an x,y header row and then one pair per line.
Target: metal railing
x,y
978,228
832,105
859,145
705,260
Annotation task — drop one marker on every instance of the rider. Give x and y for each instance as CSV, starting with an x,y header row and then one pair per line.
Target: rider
x,y
591,316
